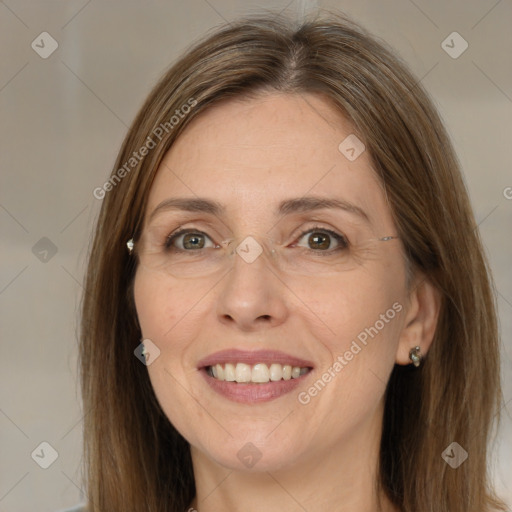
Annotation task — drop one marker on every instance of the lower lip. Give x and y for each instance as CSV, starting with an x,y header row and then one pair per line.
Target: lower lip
x,y
249,393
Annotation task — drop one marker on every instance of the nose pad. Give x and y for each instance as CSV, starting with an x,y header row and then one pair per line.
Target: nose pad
x,y
251,248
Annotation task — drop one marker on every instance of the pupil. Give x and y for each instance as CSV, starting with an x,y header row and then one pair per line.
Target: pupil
x,y
194,240
317,239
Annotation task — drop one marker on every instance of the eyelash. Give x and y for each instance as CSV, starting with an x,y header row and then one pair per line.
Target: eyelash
x,y
341,239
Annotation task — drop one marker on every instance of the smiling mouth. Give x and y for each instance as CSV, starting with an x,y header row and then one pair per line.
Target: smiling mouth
x,y
261,373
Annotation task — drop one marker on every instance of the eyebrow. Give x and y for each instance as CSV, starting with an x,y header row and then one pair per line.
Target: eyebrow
x,y
286,207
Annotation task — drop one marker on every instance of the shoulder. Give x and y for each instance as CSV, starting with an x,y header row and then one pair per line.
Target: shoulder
x,y
77,508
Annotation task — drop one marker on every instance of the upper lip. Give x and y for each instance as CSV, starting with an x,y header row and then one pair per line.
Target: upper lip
x,y
253,357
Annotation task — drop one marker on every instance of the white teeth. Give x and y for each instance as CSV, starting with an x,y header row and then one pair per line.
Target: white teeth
x,y
243,372
276,372
229,372
258,373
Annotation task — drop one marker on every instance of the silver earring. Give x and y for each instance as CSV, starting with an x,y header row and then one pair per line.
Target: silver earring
x,y
129,244
415,356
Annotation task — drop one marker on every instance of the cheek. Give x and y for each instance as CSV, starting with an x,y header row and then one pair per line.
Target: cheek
x,y
154,310
164,311
171,314
165,306
357,305
362,325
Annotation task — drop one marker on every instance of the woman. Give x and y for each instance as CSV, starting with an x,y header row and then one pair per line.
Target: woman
x,y
287,232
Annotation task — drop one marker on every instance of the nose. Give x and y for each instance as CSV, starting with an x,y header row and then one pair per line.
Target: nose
x,y
251,296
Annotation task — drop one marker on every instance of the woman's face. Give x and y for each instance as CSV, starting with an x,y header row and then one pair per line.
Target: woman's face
x,y
314,304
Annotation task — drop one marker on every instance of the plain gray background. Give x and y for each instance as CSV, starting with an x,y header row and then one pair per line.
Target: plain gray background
x,y
63,120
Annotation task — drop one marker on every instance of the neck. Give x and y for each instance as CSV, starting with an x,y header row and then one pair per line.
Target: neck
x,y
342,477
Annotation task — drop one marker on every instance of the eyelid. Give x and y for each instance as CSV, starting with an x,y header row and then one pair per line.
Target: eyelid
x,y
169,239
342,240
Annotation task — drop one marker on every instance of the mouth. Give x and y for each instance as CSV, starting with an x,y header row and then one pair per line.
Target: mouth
x,y
257,376
259,373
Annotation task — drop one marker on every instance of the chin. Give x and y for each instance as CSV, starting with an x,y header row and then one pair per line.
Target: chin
x,y
255,454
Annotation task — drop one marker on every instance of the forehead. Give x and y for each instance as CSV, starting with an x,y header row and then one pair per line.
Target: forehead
x,y
252,154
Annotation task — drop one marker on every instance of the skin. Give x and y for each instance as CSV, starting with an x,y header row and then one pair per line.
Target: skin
x,y
249,155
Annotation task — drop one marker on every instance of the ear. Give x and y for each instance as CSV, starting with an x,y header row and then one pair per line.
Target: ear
x,y
422,313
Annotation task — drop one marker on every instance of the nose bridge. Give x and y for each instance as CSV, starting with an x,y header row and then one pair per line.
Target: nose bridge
x,y
252,248
251,292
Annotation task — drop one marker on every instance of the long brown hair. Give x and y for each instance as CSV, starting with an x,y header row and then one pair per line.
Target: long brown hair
x,y
134,458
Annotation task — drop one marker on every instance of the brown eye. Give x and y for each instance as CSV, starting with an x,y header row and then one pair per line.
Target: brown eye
x,y
321,240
